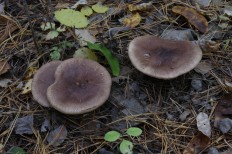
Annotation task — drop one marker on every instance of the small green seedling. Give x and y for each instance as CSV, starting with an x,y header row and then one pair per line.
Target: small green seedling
x,y
56,50
112,60
54,32
126,146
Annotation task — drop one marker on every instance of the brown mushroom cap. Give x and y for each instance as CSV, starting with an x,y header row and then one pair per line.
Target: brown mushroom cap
x,y
81,86
43,78
164,59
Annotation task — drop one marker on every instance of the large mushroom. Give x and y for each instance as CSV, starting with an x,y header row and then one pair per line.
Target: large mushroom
x,y
43,78
80,86
164,59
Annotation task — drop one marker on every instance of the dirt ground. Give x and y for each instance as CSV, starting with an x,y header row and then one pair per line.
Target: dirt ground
x,y
137,100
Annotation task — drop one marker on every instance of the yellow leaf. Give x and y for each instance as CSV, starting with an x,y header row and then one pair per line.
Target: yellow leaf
x,y
193,17
99,8
86,10
27,87
132,21
85,53
30,72
71,18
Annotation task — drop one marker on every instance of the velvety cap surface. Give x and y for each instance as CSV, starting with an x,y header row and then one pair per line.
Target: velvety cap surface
x,y
43,78
164,59
81,85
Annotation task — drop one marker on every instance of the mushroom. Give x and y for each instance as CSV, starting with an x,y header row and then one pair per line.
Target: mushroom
x,y
164,59
43,78
80,86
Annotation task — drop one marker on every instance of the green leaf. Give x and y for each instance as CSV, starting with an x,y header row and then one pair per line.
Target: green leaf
x,y
112,136
99,8
126,147
71,18
47,25
66,44
86,10
113,61
55,55
51,35
85,53
15,150
134,131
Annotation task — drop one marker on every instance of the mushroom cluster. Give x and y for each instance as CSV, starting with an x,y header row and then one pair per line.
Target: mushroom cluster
x,y
73,86
164,59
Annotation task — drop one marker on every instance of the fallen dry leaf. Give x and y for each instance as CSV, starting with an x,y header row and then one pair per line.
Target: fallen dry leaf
x,y
197,143
57,136
184,115
140,7
203,124
4,67
193,17
30,72
84,35
203,67
27,87
223,109
9,27
5,82
24,125
132,21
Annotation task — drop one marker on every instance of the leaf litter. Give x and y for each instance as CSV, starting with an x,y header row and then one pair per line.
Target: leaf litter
x,y
57,136
159,131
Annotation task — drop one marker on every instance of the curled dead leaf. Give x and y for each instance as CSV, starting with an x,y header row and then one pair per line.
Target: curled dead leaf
x,y
133,20
27,87
193,17
30,72
4,67
197,143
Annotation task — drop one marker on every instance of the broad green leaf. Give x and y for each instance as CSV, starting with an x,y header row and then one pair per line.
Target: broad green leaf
x,y
55,55
86,10
85,53
52,34
99,8
112,136
15,150
71,18
113,61
47,25
134,131
126,147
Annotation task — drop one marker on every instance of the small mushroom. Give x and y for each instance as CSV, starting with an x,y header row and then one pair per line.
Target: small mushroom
x,y
43,78
164,59
81,85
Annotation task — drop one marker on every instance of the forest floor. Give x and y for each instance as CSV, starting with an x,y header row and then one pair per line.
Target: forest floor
x,y
165,110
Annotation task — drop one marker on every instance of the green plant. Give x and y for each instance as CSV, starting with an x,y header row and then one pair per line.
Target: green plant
x,y
56,50
53,31
125,146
